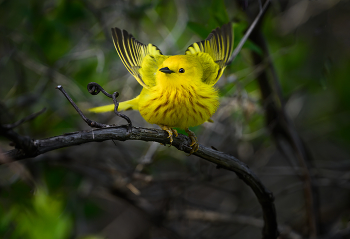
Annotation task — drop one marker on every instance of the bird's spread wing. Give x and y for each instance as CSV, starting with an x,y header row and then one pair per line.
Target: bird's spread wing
x,y
219,45
133,52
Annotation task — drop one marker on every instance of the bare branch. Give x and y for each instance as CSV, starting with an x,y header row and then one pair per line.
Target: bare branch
x,y
181,142
25,119
247,34
282,128
94,89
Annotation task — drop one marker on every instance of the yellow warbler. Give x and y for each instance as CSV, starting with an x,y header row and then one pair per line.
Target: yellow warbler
x,y
178,91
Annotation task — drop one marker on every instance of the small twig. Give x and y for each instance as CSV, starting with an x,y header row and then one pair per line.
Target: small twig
x,y
25,119
88,121
247,34
94,89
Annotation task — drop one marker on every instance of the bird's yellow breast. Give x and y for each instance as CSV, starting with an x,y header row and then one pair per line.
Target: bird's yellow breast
x,y
182,105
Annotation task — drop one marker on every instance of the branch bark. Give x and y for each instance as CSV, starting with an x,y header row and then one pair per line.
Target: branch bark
x,y
282,128
181,142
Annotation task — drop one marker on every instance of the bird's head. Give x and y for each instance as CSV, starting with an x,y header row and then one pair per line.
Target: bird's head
x,y
179,70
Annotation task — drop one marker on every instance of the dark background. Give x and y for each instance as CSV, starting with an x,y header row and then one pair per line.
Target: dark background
x,y
137,189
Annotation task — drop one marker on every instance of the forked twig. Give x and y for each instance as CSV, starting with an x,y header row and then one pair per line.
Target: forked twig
x,y
25,119
94,89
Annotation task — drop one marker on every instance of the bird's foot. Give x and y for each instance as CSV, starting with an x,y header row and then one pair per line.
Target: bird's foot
x,y
194,144
170,132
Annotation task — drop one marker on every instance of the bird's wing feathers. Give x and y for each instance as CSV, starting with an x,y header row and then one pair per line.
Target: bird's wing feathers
x,y
132,53
219,45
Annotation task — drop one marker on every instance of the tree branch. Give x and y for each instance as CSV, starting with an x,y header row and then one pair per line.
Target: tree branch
x,y
252,26
181,142
281,126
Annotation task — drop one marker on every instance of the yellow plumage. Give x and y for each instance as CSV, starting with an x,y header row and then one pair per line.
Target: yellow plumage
x,y
178,91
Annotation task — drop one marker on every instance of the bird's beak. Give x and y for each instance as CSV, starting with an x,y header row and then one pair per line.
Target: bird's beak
x,y
166,70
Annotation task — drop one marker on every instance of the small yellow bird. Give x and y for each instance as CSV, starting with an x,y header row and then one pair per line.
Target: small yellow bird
x,y
178,91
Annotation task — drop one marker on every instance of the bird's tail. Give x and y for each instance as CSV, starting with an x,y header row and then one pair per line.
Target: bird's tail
x,y
126,105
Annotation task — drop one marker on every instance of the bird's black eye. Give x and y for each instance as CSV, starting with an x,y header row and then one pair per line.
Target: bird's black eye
x,y
182,70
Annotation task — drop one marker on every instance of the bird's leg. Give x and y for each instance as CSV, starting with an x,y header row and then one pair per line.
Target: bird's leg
x,y
194,144
175,132
170,131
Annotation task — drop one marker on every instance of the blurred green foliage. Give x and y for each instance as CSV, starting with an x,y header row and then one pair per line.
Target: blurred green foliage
x,y
41,217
